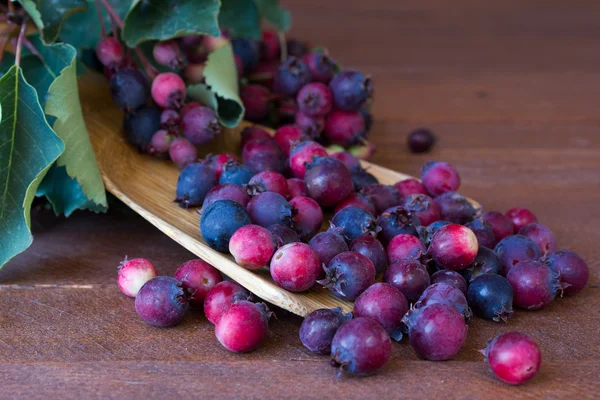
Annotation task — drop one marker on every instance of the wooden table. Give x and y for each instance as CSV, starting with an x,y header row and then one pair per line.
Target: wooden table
x,y
512,88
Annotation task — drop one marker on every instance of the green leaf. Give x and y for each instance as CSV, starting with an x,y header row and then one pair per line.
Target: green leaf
x,y
166,19
27,149
221,79
202,93
82,30
275,14
49,15
32,11
7,62
241,18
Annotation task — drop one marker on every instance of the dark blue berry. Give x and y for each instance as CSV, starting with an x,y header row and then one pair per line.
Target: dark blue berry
x,y
395,221
354,222
426,233
483,231
140,126
455,208
291,75
361,178
318,328
248,51
491,297
516,248
270,208
220,221
283,235
351,89
162,301
194,182
236,173
129,88
486,262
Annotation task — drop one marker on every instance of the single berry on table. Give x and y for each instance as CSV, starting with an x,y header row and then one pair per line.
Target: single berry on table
x,y
319,327
243,326
220,297
162,301
491,297
513,357
421,140
133,274
574,272
199,277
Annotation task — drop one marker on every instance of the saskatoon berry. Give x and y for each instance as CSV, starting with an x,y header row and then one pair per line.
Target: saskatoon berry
x,y
217,161
199,277
285,135
168,90
283,235
410,186
133,274
296,187
362,178
160,143
454,247
383,197
291,76
110,52
574,272
247,50
168,54
140,125
328,181
200,125
486,262
385,304
371,248
421,140
451,278
521,217
483,231
220,297
162,301
405,246
194,182
189,107
426,233
243,326
356,199
263,155
409,276
302,154
541,235
423,207
328,245
295,267
455,208
349,160
220,221
310,127
253,132
513,357
169,120
252,246
491,297
442,293
345,128
256,99
269,45
351,89
269,208
514,249
319,327
396,221
502,225
321,66
182,152
348,275
440,177
236,173
534,284
308,216
315,99
268,181
354,222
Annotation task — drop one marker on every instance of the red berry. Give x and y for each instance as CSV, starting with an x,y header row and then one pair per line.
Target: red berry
x,y
502,225
409,276
295,267
200,125
407,187
110,52
328,181
252,246
220,297
296,187
226,191
217,161
160,143
308,218
454,247
182,152
268,181
385,304
405,246
345,128
534,284
168,90
521,217
199,277
574,272
167,53
356,199
541,235
243,326
423,207
513,357
302,154
256,99
133,274
286,135
439,178
310,127
269,45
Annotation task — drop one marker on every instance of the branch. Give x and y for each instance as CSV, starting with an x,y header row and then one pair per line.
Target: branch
x,y
113,14
20,43
100,19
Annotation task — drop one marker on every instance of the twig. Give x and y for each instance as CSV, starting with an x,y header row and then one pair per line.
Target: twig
x,y
113,14
19,45
100,19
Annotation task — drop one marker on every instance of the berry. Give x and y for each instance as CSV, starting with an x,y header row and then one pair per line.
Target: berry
x,y
321,66
405,246
396,221
269,208
483,231
328,181
541,235
423,207
534,284
291,75
110,52
502,226
296,188
236,173
140,125
217,161
442,293
200,125
491,297
160,143
182,152
409,276
168,90
269,45
513,357
514,249
296,48
283,235
133,274
188,107
287,110
199,277
361,178
286,135
220,297
243,326
269,181
239,65
383,197
194,182
310,127
426,233
303,153
451,278
256,99
167,53
169,120
348,159
410,186
219,222
315,99
328,245
295,267
371,248
162,301
308,218
263,155
440,177
385,304
130,89
351,89
574,272
191,41
421,140
356,199
521,217
253,132
318,328
247,50
354,222
454,247
345,128
252,246
437,332
455,208
348,275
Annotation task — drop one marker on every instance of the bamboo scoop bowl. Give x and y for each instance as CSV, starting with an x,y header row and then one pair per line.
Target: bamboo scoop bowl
x,y
147,185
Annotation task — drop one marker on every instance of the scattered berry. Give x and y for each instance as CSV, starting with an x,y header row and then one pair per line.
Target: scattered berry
x,y
354,222
502,225
162,301
439,178
455,208
285,135
328,181
319,327
168,90
534,284
133,274
442,293
483,231
541,235
321,66
252,246
182,152
269,208
236,173
423,207
385,304
451,278
291,76
351,89
199,277
405,246
513,357
409,276
140,125
396,221
421,140
263,155
295,267
371,248
269,181
348,275
328,245
491,297
308,218
200,125
220,297
410,186
486,262
521,217
243,326
345,128
454,247
574,272
514,249
219,222
315,99
194,182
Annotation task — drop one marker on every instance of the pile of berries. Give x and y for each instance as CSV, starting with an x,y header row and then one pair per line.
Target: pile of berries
x,y
304,94
240,324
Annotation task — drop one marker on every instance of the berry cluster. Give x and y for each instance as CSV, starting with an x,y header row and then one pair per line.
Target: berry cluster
x,y
304,94
162,301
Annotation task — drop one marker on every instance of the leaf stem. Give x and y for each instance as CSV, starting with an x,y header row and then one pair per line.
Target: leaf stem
x,y
100,19
19,45
113,14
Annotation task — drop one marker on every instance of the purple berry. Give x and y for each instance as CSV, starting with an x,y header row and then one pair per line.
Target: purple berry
x,y
423,207
295,267
514,249
168,90
310,127
521,217
130,89
308,218
243,326
220,221
361,178
541,235
162,301
252,246
354,222
348,275
199,277
133,274
454,247
371,248
437,332
168,54
426,233
383,197
227,191
160,143
321,66
396,221
110,52
269,208
534,284
263,155
349,160
248,51
256,99
409,276
356,199
283,235
270,47
291,76
410,186
502,225
269,181
170,120
286,135
182,152
574,272
491,297
328,181
315,99
439,178
455,208
236,173
421,140
442,293
486,262
217,161
345,128
451,278
188,107
296,187
194,182
251,133
328,245
385,304
351,89
220,297
319,327
405,246
513,357
140,125
200,125
483,231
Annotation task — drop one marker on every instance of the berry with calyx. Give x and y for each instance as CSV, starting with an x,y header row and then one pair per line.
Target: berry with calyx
x,y
328,181
319,327
514,249
220,221
220,297
534,284
371,248
295,267
405,246
350,89
243,326
162,301
409,276
236,173
182,152
395,221
513,357
291,76
315,99
285,135
269,208
252,246
345,128
194,182
130,89
353,222
133,274
160,143
541,235
321,66
199,277
168,90
574,272
453,247
263,155
140,125
348,275
200,125
328,245
456,208
311,127
491,297
439,178
168,54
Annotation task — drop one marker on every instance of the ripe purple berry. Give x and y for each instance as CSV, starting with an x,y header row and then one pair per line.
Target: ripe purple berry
x,y
410,186
345,128
217,161
285,135
140,125
405,246
486,262
269,181
263,155
220,297
283,235
182,152
295,267
269,208
421,140
454,247
371,248
349,160
356,199
160,143
451,278
534,284
328,181
455,208
445,294
251,133
315,99
227,191
383,197
351,89
170,120
321,66
220,221
110,52
354,222
319,327
440,177
360,347
168,54
502,225
514,249
385,304
168,90
291,75
521,217
362,178
162,301
483,231
252,246
200,125
310,126
396,221
513,357
199,277
426,233
348,275
491,297
256,99
130,89
328,245
423,207
303,153
574,272
133,274
296,187
308,218
541,235
243,326
409,276
194,182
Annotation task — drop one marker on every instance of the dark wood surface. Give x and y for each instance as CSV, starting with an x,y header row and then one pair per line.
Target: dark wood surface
x,y
512,88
